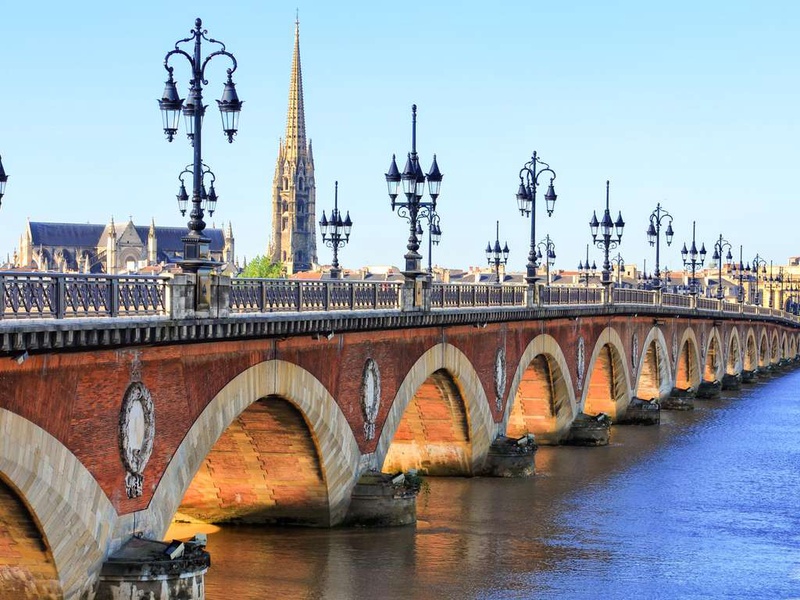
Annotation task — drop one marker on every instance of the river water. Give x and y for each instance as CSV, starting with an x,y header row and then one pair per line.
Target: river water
x,y
706,505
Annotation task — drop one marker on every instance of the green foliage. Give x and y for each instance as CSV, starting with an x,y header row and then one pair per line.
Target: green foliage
x,y
261,267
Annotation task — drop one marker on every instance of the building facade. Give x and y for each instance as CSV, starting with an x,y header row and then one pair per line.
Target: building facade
x,y
294,235
113,249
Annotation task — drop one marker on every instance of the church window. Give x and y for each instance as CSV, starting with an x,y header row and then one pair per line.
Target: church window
x,y
285,223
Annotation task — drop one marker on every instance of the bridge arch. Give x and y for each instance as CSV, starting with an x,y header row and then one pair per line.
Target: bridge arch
x,y
784,346
445,371
750,361
792,346
71,511
763,349
733,359
336,447
541,395
688,368
654,371
607,389
714,367
775,348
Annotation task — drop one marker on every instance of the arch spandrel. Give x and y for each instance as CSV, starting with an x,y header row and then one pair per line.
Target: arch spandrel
x,y
561,391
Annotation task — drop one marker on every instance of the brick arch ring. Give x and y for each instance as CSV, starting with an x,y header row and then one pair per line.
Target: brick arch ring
x,y
73,512
339,454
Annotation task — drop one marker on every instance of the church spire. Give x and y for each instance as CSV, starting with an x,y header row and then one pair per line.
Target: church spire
x,y
295,140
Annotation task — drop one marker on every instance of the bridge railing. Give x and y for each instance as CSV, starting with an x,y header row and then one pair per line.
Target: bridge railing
x,y
63,295
679,300
465,295
631,296
563,294
281,295
731,307
708,303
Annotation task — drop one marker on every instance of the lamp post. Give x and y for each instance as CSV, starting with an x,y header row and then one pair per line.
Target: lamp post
x,y
195,244
606,229
434,235
495,255
526,202
335,232
549,252
738,270
658,216
3,180
584,270
618,262
758,262
719,248
413,208
693,259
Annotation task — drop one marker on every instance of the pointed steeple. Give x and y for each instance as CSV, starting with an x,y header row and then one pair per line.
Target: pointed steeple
x,y
295,141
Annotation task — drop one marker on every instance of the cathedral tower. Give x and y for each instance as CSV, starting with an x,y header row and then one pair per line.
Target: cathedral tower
x,y
294,234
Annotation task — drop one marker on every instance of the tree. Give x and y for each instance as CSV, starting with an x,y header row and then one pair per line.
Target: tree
x,y
262,267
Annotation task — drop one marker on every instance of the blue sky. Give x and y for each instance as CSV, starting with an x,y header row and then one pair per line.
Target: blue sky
x,y
691,104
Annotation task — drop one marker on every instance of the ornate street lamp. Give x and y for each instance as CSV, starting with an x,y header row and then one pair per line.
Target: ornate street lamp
x,y
584,270
618,262
434,235
3,180
196,253
658,216
497,256
739,270
335,232
719,248
693,259
526,202
758,262
413,208
549,252
606,229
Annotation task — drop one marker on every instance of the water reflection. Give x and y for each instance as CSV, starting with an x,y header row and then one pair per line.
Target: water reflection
x,y
701,506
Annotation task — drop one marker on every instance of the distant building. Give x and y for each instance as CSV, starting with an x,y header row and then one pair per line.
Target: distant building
x,y
113,248
294,235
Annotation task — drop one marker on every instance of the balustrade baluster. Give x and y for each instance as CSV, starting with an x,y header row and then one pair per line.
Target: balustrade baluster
x,y
113,290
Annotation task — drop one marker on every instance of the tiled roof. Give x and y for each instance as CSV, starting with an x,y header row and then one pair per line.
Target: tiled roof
x,y
86,235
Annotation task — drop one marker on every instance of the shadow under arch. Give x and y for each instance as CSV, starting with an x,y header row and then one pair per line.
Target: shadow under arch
x,y
607,389
337,449
655,373
714,367
750,359
733,353
72,512
688,367
541,395
443,369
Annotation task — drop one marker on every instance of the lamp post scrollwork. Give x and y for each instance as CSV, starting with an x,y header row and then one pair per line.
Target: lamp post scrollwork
x,y
335,232
526,202
196,254
606,230
692,259
413,182
719,247
496,256
657,218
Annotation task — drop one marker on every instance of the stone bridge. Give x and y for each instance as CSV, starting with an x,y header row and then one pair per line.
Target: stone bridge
x,y
112,425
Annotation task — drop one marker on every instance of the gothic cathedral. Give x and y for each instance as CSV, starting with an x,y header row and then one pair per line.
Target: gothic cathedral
x,y
294,238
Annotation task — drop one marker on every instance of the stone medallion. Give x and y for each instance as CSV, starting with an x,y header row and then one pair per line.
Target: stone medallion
x,y
635,351
136,435
370,396
500,377
580,360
